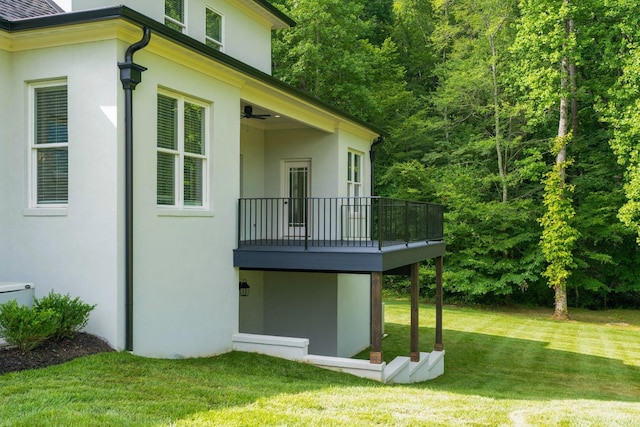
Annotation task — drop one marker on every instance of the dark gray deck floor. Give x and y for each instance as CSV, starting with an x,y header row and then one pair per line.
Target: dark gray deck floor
x,y
331,256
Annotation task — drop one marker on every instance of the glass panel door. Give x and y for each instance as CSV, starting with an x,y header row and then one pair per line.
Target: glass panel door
x,y
297,189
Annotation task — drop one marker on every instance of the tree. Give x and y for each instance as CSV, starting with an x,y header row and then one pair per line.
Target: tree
x,y
328,55
545,47
485,121
622,103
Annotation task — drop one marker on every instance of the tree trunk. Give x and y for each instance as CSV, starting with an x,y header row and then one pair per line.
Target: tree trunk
x,y
496,114
561,310
572,83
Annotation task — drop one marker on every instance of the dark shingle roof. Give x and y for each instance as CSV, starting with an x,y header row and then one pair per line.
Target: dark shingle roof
x,y
16,9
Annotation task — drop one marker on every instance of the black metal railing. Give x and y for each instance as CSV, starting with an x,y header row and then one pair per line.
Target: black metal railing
x,y
337,221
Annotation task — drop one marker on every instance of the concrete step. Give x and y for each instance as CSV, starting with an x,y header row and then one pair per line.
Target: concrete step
x,y
397,371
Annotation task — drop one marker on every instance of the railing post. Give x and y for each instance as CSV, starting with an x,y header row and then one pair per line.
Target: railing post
x,y
239,222
307,201
406,223
379,224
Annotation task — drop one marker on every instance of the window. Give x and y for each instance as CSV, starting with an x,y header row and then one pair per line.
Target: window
x,y
174,14
50,146
213,36
354,174
181,152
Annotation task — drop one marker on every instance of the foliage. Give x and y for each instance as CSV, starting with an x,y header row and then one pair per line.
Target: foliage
x,y
73,313
53,316
621,104
24,327
558,235
329,55
469,92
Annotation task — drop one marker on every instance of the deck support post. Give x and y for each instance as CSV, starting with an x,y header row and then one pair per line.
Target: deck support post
x,y
438,345
414,353
375,355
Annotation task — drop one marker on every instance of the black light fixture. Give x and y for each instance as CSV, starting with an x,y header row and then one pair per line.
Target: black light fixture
x,y
244,288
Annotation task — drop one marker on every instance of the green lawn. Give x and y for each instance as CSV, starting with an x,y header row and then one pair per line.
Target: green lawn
x,y
503,367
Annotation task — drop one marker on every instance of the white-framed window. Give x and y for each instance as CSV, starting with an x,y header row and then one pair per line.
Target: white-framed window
x,y
174,15
182,152
354,174
49,143
214,30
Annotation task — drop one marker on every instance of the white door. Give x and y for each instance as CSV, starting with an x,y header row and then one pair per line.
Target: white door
x,y
297,188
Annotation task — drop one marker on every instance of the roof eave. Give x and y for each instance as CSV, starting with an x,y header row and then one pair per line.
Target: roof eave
x,y
55,6
285,20
136,18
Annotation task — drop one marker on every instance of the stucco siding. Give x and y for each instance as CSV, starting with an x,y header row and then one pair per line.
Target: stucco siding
x,y
319,147
252,306
302,305
6,140
74,250
245,37
186,288
154,9
353,313
252,150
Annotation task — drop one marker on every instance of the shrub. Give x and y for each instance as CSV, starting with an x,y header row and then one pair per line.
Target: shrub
x,y
26,328
74,313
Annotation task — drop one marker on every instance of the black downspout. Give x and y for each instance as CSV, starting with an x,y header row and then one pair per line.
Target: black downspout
x,y
372,156
130,76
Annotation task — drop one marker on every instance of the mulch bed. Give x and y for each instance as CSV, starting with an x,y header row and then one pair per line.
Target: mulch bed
x,y
51,353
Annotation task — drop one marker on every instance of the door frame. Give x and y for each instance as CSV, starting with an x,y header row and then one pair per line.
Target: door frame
x,y
287,165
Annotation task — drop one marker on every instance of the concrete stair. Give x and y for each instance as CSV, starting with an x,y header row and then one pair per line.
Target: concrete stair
x,y
401,370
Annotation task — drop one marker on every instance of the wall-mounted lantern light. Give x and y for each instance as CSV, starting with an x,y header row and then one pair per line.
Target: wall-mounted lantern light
x,y
244,288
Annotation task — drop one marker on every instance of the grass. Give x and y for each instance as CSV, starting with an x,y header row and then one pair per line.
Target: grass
x,y
503,367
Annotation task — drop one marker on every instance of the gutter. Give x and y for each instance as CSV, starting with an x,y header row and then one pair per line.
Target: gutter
x,y
130,76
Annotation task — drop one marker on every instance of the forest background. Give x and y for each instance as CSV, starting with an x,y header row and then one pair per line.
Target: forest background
x,y
472,95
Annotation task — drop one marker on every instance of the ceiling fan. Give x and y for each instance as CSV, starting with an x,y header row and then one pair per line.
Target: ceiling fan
x,y
248,114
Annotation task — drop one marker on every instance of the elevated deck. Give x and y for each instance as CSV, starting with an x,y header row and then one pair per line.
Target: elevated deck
x,y
344,234
331,257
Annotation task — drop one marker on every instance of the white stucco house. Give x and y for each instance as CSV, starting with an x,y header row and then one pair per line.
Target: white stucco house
x,y
150,164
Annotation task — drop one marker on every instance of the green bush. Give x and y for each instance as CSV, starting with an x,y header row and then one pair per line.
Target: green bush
x,y
74,313
26,328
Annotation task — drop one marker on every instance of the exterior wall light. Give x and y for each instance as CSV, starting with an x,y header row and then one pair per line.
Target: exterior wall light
x,y
244,288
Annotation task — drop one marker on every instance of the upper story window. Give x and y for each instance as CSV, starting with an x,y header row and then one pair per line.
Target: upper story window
x,y
213,36
354,174
50,145
174,14
182,153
